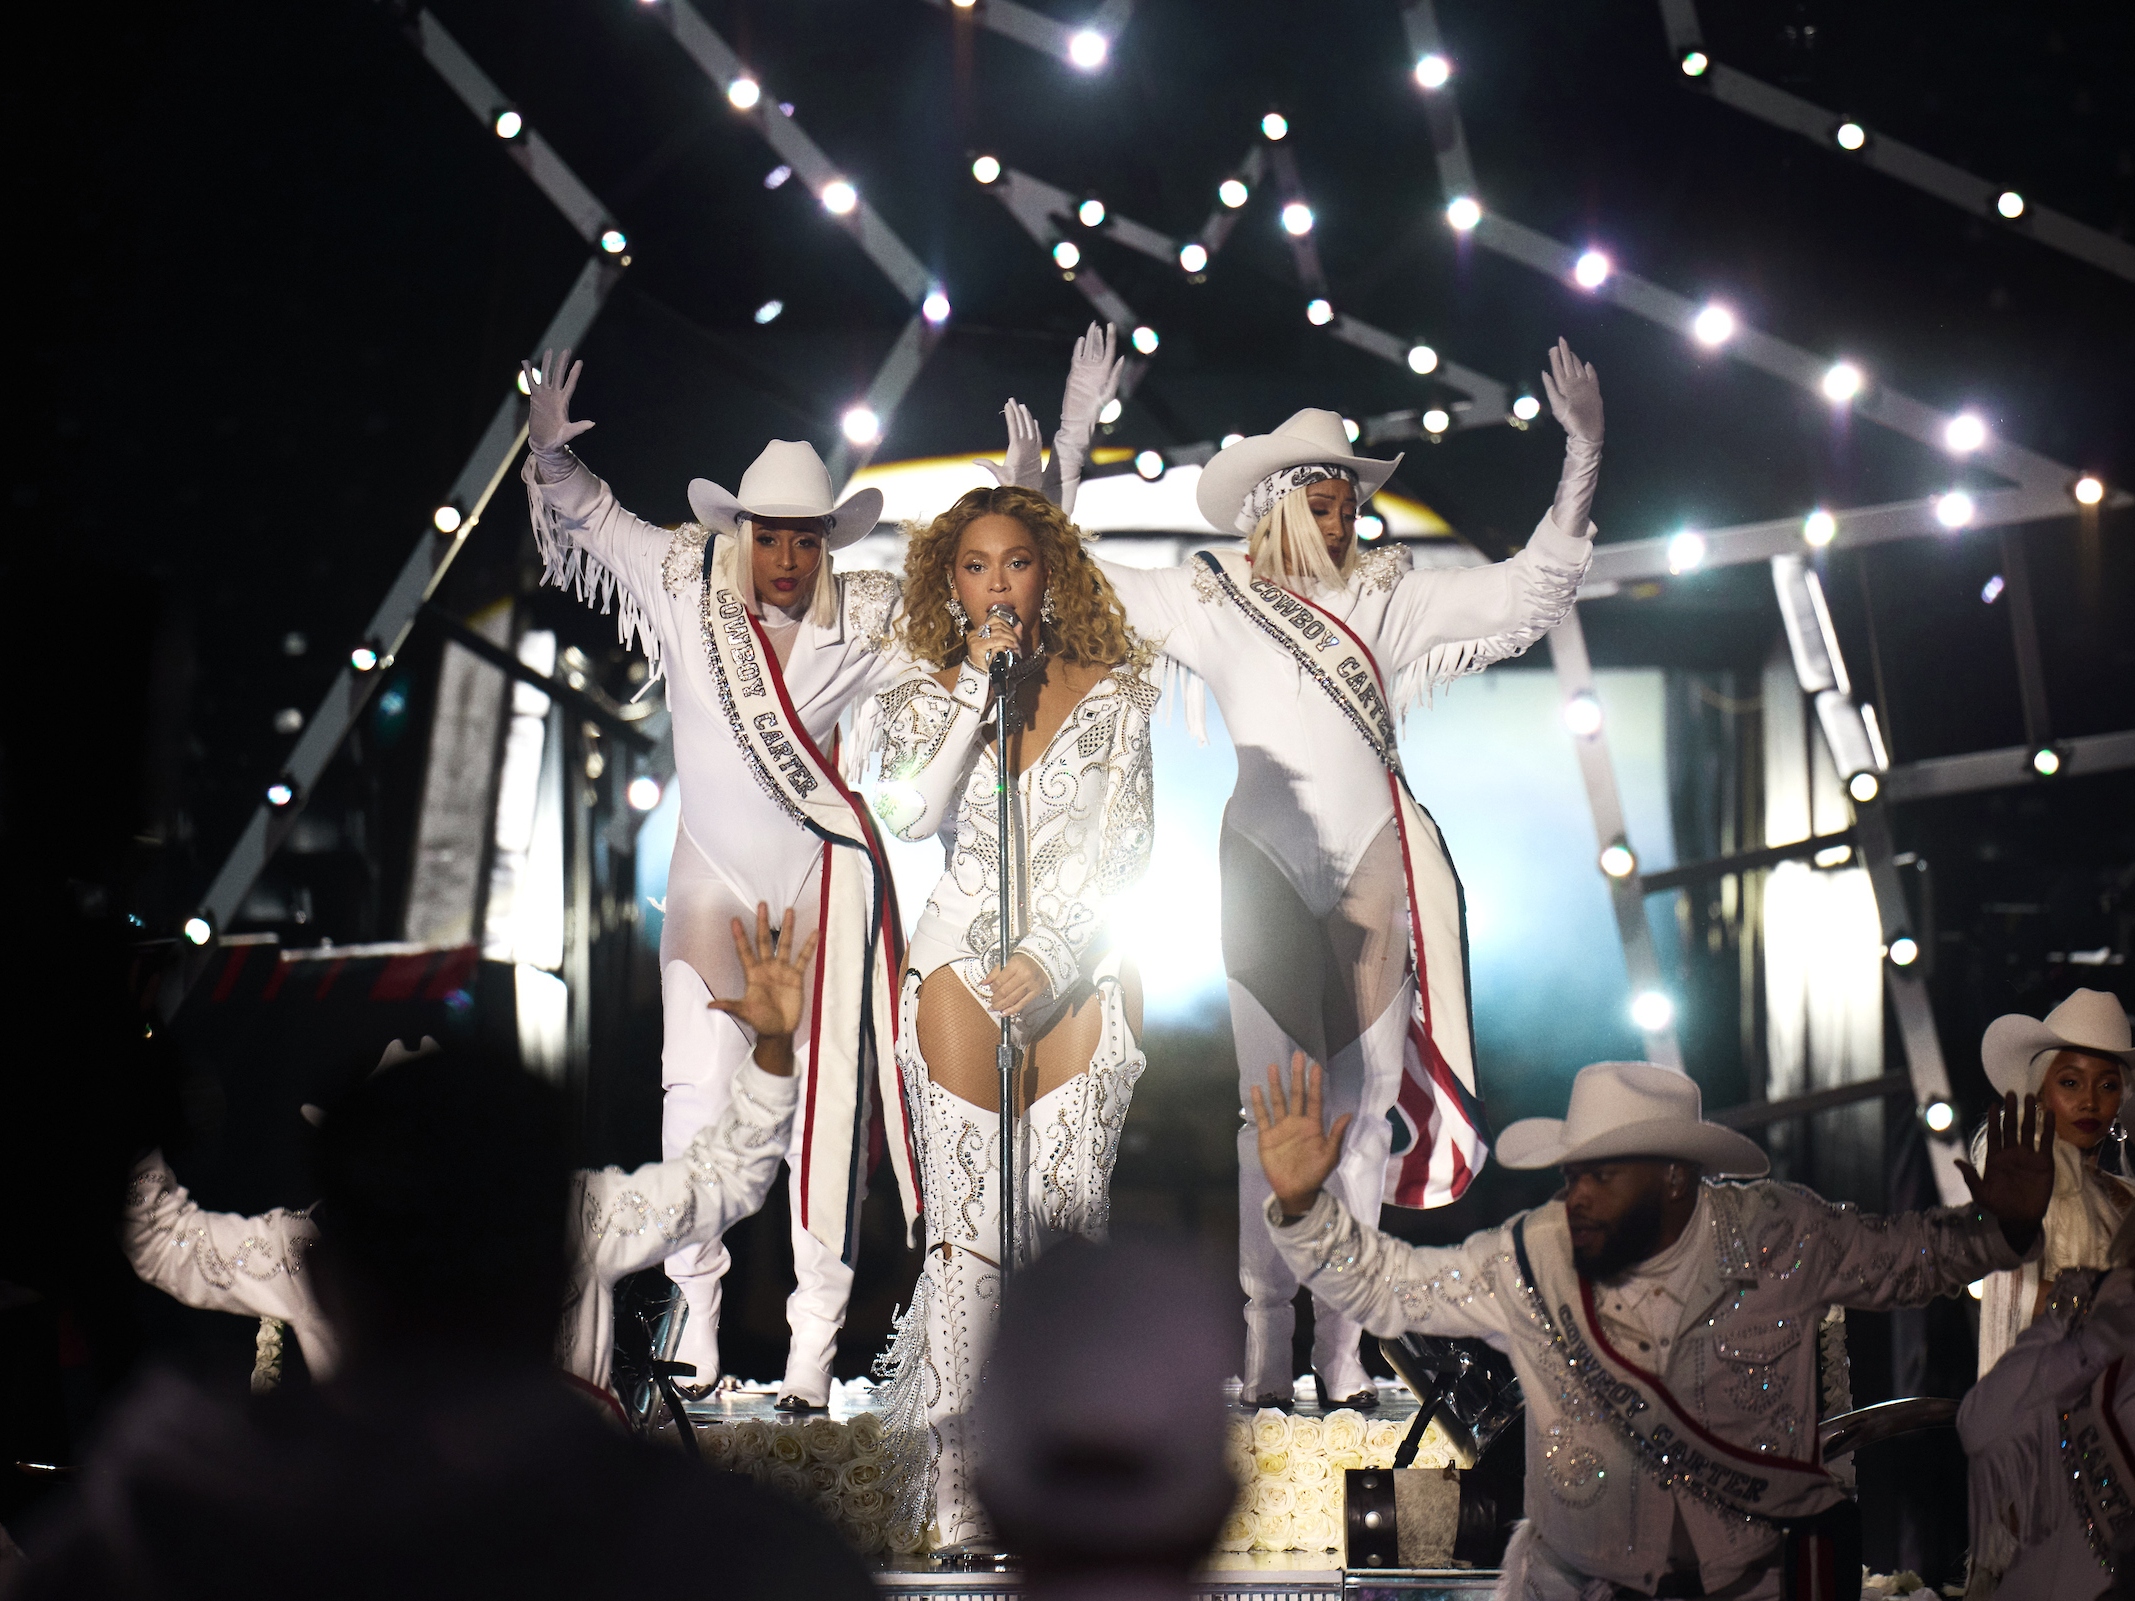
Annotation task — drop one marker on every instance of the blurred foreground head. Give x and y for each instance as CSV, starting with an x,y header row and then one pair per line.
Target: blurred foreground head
x,y
443,1191
1102,1416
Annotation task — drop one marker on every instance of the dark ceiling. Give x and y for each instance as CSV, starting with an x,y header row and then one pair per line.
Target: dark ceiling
x,y
280,278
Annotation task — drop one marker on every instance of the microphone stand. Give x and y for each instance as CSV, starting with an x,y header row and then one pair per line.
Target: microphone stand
x,y
1004,1053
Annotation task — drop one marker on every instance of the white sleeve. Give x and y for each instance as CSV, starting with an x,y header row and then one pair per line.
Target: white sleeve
x,y
929,737
217,1261
1447,622
1390,1286
1160,604
629,1221
603,554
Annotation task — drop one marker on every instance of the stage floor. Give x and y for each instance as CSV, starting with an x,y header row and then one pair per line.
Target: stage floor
x,y
1243,1576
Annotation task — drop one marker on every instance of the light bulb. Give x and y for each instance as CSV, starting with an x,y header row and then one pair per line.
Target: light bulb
x,y
986,169
1463,213
743,93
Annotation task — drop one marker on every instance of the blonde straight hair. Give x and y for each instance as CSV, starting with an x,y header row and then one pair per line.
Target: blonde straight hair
x,y
1289,549
822,602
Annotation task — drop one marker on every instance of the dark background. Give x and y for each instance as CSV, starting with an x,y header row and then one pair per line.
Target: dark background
x,y
272,279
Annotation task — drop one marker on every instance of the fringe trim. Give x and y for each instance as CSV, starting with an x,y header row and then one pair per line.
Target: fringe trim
x,y
906,1433
568,565
1547,590
1180,685
267,1355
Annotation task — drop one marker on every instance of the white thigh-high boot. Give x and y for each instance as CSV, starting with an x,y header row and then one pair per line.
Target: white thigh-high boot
x,y
1363,1080
1070,1138
701,1050
815,1312
963,1297
1270,1287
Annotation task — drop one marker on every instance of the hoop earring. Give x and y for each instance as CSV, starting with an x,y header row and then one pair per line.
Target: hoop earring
x,y
1049,612
958,615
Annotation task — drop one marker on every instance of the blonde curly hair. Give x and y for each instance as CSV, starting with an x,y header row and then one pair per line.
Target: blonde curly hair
x,y
1088,624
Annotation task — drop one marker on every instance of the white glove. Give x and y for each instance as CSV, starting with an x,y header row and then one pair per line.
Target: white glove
x,y
1092,381
549,429
1022,468
1575,401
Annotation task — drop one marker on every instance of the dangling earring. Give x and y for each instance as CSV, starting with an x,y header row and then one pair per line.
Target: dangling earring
x,y
1049,612
958,615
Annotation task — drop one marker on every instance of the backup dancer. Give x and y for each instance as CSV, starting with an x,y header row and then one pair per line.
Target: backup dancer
x,y
1081,826
1344,933
763,647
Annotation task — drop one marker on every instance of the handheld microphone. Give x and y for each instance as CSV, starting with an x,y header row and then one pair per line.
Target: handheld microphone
x,y
1004,614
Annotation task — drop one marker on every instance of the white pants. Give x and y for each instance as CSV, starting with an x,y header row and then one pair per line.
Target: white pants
x,y
1363,1079
700,1052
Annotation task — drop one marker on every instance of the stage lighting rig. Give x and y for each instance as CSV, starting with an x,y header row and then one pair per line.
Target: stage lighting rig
x,y
1433,70
1145,340
743,93
1088,49
861,425
1462,213
935,308
1963,434
1233,193
2010,204
1864,787
769,311
1954,509
282,792
1696,63
1436,421
2088,490
1193,257
1591,270
1297,219
1713,326
1318,313
509,124
1111,412
1148,465
839,197
1091,213
1819,528
1582,715
1618,860
1275,125
1526,408
198,930
1937,1115
1067,255
643,793
1652,1011
2046,762
1849,136
1422,359
365,657
447,519
1841,382
987,169
1686,552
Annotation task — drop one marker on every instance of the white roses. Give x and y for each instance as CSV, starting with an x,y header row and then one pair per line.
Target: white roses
x,y
843,1470
1289,1471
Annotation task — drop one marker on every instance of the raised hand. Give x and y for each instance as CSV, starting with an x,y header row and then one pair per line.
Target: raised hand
x,y
1296,1152
1024,463
1574,393
548,420
1093,379
1014,985
2018,1182
774,983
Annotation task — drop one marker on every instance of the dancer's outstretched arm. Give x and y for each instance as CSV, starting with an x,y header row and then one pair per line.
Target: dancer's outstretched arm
x,y
1092,382
1461,620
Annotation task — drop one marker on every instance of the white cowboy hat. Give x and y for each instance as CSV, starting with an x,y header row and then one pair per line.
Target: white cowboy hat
x,y
787,480
2089,1020
1310,436
1631,1109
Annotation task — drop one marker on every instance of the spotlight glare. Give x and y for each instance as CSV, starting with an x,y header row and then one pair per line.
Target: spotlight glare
x,y
861,426
1850,136
1436,420
1110,414
521,381
1066,254
643,793
935,308
768,311
1819,528
280,793
743,93
1713,326
1318,313
1422,359
447,518
1527,408
1275,125
1229,440
1954,510
777,176
363,658
1977,1289
1433,71
1685,551
1233,193
1618,860
1463,213
1148,464
613,241
510,125
2046,761
1591,270
197,930
1991,590
1193,257
986,169
2010,204
1938,1114
1297,219
1582,715
1351,430
1964,433
1842,381
1370,527
1904,951
288,721
1652,1011
1145,340
2088,491
1864,787
839,197
1695,63
1088,49
1091,213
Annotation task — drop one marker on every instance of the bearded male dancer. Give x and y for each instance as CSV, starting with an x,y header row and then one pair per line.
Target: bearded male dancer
x,y
1343,930
763,647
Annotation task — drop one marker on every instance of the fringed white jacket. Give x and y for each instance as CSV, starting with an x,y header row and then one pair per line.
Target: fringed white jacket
x,y
620,1222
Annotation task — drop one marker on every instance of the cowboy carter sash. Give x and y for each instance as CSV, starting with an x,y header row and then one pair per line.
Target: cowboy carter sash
x,y
2096,1464
854,1002
1448,1133
1663,1436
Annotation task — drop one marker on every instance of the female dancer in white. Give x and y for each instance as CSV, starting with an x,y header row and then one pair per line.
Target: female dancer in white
x,y
1338,895
1081,828
763,648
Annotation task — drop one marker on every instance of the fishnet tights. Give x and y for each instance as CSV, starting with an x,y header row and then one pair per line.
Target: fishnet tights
x,y
958,1037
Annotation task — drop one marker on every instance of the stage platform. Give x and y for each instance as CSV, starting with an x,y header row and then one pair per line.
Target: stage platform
x,y
1229,1576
